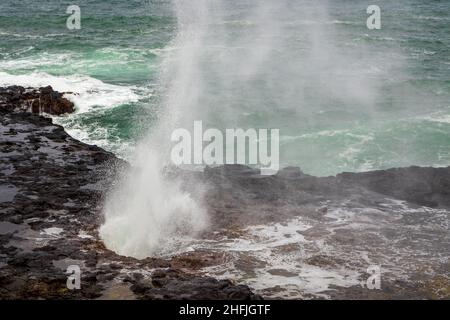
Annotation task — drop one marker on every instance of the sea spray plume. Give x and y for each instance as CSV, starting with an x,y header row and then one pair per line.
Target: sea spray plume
x,y
211,61
148,214
145,211
281,64
237,63
231,64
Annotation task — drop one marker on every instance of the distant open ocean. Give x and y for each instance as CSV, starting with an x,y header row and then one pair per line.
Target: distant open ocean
x,y
344,97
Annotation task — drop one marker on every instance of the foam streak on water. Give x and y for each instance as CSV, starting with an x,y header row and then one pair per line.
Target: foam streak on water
x,y
84,91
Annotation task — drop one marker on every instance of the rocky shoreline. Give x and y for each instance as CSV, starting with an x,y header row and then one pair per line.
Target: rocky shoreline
x,y
52,188
42,100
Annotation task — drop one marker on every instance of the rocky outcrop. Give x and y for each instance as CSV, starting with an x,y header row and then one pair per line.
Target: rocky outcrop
x,y
42,100
51,190
319,233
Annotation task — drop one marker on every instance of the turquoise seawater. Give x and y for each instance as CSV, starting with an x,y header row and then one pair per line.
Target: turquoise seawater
x,y
345,98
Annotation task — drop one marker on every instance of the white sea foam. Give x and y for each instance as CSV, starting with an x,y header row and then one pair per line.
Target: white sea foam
x,y
52,231
432,18
146,213
42,60
443,118
287,251
295,277
31,36
88,92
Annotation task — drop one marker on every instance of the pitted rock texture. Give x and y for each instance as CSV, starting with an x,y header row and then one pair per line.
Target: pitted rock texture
x,y
290,235
51,191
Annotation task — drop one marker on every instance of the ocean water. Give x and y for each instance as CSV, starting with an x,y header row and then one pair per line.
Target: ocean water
x,y
344,97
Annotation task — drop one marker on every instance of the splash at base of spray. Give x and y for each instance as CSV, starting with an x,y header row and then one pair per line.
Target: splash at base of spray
x,y
147,214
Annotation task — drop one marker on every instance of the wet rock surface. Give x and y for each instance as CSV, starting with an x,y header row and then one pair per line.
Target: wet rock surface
x,y
42,100
290,235
331,231
51,188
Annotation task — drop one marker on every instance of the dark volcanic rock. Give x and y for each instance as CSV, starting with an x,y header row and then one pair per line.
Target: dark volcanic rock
x,y
52,188
424,186
51,191
43,100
